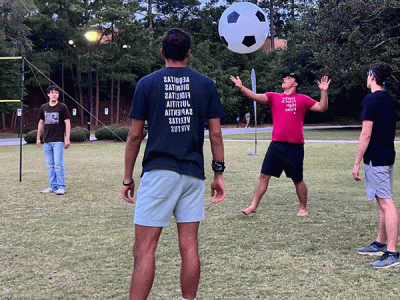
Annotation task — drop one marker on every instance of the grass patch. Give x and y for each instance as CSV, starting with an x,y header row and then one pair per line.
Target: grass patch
x,y
315,134
79,246
345,134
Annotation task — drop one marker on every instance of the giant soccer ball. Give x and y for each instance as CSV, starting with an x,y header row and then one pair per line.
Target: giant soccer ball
x,y
243,27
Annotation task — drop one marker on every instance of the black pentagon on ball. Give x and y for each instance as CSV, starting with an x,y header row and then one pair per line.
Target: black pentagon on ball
x,y
233,17
223,40
260,16
249,41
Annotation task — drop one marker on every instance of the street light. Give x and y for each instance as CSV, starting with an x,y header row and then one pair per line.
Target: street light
x,y
91,36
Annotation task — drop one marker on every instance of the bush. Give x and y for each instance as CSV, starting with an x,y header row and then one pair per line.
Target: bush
x,y
30,137
77,135
121,133
115,133
105,133
84,130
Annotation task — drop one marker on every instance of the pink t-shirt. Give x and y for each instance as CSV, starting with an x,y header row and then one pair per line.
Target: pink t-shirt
x,y
288,113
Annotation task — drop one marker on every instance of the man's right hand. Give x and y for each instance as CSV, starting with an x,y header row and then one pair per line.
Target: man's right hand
x,y
127,192
237,81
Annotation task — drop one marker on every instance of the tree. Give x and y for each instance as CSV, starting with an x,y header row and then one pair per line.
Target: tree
x,y
350,35
13,31
13,42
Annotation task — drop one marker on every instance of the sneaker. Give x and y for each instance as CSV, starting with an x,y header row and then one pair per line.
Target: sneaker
x,y
48,191
387,260
60,192
372,249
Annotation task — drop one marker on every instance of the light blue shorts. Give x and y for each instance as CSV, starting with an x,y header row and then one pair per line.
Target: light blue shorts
x,y
378,181
163,194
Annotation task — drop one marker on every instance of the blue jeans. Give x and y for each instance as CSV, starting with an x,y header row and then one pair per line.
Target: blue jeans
x,y
54,157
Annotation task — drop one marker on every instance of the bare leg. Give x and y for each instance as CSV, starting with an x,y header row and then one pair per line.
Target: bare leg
x,y
388,223
381,238
190,270
146,239
301,190
259,191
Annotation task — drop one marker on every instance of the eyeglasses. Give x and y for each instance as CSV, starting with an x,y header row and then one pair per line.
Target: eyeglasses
x,y
370,72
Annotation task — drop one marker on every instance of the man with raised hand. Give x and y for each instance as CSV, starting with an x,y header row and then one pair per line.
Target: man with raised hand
x,y
286,150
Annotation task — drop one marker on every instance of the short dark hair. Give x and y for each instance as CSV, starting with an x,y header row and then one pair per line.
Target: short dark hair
x,y
295,76
176,44
53,88
381,72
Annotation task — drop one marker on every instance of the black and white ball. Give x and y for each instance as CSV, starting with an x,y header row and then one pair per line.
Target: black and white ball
x,y
243,27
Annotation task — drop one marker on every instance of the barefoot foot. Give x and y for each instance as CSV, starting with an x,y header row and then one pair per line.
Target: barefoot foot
x,y
302,212
249,210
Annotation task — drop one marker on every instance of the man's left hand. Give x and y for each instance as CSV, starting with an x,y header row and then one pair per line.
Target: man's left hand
x,y
218,189
67,143
323,84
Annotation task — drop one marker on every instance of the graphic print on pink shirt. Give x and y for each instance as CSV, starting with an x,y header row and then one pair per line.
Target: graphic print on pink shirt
x,y
288,113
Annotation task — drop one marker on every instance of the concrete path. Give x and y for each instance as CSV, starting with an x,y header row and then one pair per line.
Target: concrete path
x,y
227,131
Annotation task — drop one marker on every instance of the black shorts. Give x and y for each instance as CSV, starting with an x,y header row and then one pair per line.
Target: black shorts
x,y
286,157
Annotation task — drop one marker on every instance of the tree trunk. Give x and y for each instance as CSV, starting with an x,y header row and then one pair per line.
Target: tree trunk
x,y
3,121
271,24
292,9
112,102
149,14
97,97
62,81
79,76
13,121
86,4
118,96
75,89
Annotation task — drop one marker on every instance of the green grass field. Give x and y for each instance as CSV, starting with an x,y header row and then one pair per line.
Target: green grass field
x,y
316,134
79,246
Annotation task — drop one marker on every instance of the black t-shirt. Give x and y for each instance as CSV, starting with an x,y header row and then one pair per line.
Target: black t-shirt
x,y
54,125
176,102
379,107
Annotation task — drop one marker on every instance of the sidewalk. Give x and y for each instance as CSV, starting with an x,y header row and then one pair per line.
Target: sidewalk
x,y
16,141
225,131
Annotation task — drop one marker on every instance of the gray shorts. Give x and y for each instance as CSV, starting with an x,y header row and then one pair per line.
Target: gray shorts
x,y
163,194
378,181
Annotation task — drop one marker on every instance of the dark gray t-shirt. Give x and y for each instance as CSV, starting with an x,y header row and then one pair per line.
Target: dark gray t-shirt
x,y
54,121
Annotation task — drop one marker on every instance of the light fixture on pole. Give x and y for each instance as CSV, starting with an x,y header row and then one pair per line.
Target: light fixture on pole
x,y
91,36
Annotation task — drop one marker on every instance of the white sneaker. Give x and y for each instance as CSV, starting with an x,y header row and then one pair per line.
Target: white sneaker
x,y
60,192
48,191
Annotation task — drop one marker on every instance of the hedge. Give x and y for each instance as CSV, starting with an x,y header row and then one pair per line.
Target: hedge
x,y
84,130
30,137
121,133
105,133
78,135
115,133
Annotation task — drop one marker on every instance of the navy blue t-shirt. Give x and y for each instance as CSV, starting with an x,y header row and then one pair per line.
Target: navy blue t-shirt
x,y
176,102
379,107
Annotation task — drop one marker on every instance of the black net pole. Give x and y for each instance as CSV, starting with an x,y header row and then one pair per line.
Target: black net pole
x,y
22,117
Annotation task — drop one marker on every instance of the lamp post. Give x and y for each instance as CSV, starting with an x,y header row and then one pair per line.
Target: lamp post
x,y
91,36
